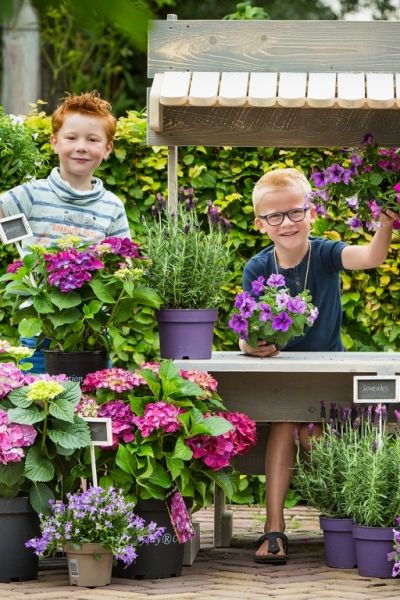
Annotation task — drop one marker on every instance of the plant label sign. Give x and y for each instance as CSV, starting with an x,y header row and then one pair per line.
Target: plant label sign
x,y
100,430
14,228
376,389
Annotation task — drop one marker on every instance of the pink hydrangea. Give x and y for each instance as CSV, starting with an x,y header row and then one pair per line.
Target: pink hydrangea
x,y
158,415
118,380
153,366
202,378
87,406
217,452
14,437
122,246
122,420
14,266
10,378
180,518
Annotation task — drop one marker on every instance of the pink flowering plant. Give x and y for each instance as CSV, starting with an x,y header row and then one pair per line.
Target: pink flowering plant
x,y
271,313
95,516
39,433
170,429
79,295
366,181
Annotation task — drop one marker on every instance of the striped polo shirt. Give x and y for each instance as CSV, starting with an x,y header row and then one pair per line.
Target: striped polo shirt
x,y
55,209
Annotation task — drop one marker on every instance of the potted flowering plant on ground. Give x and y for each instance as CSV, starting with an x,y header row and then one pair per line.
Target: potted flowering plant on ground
x,y
171,434
367,181
39,434
80,294
93,527
189,263
275,316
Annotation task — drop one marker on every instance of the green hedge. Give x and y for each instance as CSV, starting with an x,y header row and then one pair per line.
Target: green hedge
x,y
136,172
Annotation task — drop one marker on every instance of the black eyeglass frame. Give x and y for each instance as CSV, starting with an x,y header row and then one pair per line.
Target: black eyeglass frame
x,y
285,214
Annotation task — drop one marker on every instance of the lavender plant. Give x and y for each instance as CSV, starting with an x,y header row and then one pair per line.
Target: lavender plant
x,y
95,516
189,256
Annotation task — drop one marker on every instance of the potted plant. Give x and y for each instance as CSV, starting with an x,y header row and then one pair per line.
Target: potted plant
x,y
80,295
367,181
39,435
275,316
319,479
372,492
189,263
171,434
93,527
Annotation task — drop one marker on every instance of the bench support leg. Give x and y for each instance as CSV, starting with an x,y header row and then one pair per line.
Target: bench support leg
x,y
223,521
192,547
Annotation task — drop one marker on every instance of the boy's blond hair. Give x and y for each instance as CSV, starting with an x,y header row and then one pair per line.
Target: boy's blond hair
x,y
279,179
89,104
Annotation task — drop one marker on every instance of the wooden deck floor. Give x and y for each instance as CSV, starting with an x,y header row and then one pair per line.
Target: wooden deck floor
x,y
219,574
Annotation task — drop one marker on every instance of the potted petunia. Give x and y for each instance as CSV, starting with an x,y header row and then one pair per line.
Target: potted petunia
x,y
189,264
78,296
271,313
366,181
93,527
173,440
39,434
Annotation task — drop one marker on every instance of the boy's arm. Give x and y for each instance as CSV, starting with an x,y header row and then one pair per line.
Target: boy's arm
x,y
373,254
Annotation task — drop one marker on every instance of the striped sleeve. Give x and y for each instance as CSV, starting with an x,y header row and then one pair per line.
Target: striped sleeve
x,y
17,200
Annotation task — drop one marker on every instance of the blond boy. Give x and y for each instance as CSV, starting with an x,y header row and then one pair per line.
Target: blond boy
x,y
284,214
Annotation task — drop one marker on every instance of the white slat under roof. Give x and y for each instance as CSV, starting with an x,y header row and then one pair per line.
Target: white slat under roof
x,y
276,83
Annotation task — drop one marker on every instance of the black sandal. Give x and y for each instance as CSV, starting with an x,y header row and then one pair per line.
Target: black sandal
x,y
272,558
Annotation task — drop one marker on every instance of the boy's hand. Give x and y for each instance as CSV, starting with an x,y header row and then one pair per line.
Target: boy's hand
x,y
388,217
263,349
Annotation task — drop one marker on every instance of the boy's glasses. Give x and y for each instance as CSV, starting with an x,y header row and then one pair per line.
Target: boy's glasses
x,y
276,218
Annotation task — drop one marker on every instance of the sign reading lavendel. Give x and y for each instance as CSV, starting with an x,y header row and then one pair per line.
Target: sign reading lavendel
x,y
376,389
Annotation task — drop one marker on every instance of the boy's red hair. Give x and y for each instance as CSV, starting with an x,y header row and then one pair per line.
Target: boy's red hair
x,y
90,104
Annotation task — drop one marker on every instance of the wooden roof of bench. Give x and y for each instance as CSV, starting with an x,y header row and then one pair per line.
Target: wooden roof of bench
x,y
273,83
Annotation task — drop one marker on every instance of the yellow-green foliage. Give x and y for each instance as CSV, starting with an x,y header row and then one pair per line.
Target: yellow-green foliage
x,y
135,172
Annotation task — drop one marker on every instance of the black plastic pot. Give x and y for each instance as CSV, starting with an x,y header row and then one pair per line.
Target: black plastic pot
x,y
155,561
76,365
18,523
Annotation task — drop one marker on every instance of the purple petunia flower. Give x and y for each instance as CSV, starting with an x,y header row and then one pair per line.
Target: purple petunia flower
x,y
265,311
276,280
296,305
281,322
318,178
258,285
239,325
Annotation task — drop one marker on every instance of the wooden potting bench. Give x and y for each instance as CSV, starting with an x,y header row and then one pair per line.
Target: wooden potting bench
x,y
285,84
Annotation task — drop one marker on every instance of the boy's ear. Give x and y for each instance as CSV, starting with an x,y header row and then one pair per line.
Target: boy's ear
x,y
313,213
53,142
109,147
260,224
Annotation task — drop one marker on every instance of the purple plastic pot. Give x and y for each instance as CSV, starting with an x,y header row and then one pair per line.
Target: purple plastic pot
x,y
372,547
186,333
340,552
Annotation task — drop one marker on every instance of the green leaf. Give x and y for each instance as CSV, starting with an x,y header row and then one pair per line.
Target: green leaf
x,y
125,460
101,291
72,392
30,327
217,425
37,466
223,480
182,451
39,496
174,466
159,477
146,296
71,435
42,304
19,398
26,416
63,300
12,473
59,319
62,409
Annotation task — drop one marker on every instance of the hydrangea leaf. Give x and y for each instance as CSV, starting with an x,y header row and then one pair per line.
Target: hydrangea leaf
x,y
37,466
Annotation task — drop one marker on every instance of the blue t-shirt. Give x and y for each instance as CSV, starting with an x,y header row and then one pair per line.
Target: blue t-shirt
x,y
323,283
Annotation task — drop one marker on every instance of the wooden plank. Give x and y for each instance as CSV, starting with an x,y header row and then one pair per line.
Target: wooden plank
x,y
154,107
320,46
380,90
233,89
351,90
321,91
263,89
275,126
175,88
292,89
204,89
